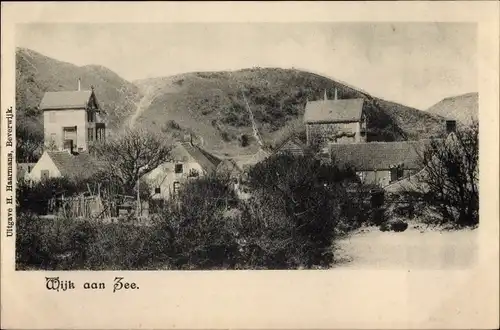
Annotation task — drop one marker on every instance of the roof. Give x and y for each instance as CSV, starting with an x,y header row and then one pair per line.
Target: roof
x,y
332,111
247,161
207,161
379,155
81,165
293,139
65,100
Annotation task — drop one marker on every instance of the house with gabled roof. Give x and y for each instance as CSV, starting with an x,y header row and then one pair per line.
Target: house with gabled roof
x,y
55,164
381,163
188,161
335,121
72,119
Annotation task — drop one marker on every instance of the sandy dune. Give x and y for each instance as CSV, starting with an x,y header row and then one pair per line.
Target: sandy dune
x,y
415,248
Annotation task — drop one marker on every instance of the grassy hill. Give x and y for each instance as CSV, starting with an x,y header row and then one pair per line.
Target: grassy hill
x,y
37,74
212,105
463,108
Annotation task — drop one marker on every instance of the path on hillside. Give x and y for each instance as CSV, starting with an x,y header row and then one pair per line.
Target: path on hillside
x,y
415,248
143,103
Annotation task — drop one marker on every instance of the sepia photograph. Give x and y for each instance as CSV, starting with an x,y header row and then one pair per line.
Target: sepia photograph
x,y
250,165
246,146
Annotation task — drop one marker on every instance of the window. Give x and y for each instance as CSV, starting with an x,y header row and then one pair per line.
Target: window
x,y
69,133
100,134
176,187
157,190
90,134
397,173
45,174
90,116
52,117
178,168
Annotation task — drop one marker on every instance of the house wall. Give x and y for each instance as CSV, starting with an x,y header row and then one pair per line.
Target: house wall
x,y
55,120
164,175
44,163
380,177
328,131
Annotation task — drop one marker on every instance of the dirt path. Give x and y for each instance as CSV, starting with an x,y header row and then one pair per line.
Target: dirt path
x,y
415,248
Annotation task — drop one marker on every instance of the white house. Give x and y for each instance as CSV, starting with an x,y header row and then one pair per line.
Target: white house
x,y
54,164
72,119
188,162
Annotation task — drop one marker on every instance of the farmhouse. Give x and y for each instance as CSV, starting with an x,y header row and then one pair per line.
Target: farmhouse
x,y
72,119
54,164
335,121
381,163
188,162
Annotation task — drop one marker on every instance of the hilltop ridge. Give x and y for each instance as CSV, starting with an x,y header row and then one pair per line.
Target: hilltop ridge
x,y
211,104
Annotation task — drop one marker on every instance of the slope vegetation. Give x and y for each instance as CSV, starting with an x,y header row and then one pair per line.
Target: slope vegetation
x,y
213,106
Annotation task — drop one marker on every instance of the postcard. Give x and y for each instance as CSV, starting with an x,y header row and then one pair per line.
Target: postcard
x,y
250,165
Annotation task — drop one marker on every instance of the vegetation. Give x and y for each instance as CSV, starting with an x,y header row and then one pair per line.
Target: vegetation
x,y
29,136
275,229
276,96
127,157
450,185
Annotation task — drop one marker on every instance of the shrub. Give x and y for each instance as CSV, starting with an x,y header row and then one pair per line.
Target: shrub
x,y
200,236
299,204
245,140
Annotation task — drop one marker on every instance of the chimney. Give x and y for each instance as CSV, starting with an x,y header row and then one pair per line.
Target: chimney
x,y
335,94
79,83
326,98
451,126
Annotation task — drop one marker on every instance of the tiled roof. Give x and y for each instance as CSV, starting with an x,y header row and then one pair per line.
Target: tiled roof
x,y
332,111
81,165
65,100
379,155
206,160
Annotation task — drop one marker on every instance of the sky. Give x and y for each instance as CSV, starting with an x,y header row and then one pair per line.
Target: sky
x,y
416,64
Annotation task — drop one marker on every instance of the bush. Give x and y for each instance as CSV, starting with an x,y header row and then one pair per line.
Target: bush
x,y
299,206
64,244
201,237
245,140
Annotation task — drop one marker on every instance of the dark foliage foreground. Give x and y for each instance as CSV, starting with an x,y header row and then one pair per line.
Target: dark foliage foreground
x,y
292,220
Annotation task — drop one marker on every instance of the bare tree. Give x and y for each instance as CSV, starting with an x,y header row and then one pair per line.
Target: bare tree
x,y
450,183
132,154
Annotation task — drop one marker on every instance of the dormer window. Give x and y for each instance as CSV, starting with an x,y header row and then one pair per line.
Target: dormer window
x,y
178,168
